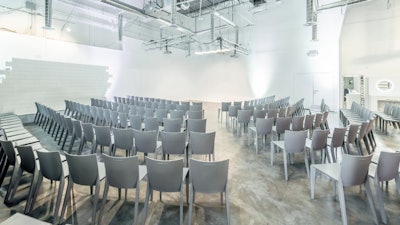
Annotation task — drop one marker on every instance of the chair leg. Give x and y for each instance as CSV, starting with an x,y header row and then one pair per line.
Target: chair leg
x,y
146,205
228,214
136,204
370,201
31,192
16,176
38,184
380,200
285,163
181,206
56,220
96,198
103,203
342,202
191,199
67,197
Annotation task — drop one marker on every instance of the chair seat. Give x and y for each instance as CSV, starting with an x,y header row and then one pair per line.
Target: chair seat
x,y
330,169
21,219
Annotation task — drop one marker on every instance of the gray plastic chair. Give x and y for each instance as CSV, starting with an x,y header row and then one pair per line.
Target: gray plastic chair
x,y
69,128
123,139
146,142
263,128
208,177
136,122
196,125
88,136
202,144
123,120
352,171
53,169
173,143
259,113
76,133
172,125
102,138
319,143
150,123
318,120
121,173
282,124
386,170
107,117
11,159
177,114
243,120
164,176
232,113
309,123
114,119
337,141
148,112
161,114
224,109
351,137
195,114
28,164
298,123
94,173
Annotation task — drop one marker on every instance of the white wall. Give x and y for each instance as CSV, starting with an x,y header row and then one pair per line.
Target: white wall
x,y
278,41
370,46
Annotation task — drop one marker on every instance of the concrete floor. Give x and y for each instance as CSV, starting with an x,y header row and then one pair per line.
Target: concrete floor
x,y
258,192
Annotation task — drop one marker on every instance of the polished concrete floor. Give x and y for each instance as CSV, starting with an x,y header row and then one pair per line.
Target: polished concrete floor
x,y
258,192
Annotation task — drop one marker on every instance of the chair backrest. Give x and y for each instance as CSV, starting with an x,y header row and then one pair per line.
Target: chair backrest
x,y
77,128
195,114
195,108
123,138
352,134
264,125
173,142
295,141
122,172
338,137
225,106
145,141
176,114
88,133
319,139
272,113
318,120
150,123
201,143
232,110
244,116
282,124
69,125
282,112
136,122
114,118
388,166
309,121
123,119
172,125
354,169
165,175
363,130
208,177
50,165
149,112
161,114
28,160
297,123
259,114
196,125
102,135
8,148
83,169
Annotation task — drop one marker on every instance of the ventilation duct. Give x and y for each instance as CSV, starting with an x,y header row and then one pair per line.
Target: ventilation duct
x,y
48,13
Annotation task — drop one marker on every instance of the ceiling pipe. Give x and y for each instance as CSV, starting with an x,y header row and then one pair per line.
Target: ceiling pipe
x,y
310,10
339,4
